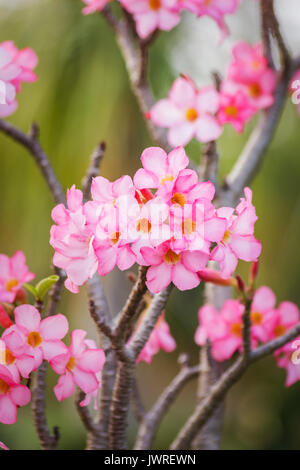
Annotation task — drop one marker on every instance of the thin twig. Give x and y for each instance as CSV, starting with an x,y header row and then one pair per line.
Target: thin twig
x,y
137,404
93,170
153,418
31,143
221,387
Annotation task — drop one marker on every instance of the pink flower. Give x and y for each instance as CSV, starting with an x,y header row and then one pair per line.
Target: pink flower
x,y
279,321
25,60
94,5
152,14
13,273
248,64
166,266
238,241
79,365
263,305
224,329
19,364
216,9
160,338
288,358
40,339
72,240
188,112
235,107
160,169
12,395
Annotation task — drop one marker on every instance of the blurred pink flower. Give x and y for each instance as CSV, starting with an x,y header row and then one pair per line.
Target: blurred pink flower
x,y
13,273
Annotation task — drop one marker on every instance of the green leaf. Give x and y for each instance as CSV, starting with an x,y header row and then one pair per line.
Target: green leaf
x,y
31,289
45,285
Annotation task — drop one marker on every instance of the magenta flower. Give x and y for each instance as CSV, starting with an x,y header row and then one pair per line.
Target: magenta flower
x,y
238,241
166,266
13,273
79,365
188,112
160,339
150,15
279,321
40,339
288,358
235,107
12,395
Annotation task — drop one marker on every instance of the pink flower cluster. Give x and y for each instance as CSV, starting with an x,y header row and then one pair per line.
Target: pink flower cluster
x,y
224,329
169,228
248,86
164,15
30,341
190,111
16,66
13,273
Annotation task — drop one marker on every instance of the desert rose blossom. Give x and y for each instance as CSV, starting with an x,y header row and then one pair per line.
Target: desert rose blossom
x,y
224,329
159,169
79,365
40,339
166,266
287,358
279,321
8,72
19,364
25,60
94,5
263,305
151,15
235,107
72,239
238,241
188,112
13,273
12,395
160,339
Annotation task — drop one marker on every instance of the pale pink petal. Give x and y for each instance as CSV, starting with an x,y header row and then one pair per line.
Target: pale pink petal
x,y
20,395
54,327
264,300
8,410
154,160
194,260
65,387
165,114
245,247
92,360
27,317
184,279
85,380
158,277
181,134
208,129
126,258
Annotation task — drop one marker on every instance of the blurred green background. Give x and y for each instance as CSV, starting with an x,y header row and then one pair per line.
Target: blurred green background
x,y
82,97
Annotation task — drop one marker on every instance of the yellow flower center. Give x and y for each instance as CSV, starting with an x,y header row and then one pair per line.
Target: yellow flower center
x,y
166,178
236,329
154,4
71,363
9,357
231,111
34,339
226,237
191,114
11,284
178,198
279,330
114,238
256,318
143,225
188,227
255,90
4,387
171,257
